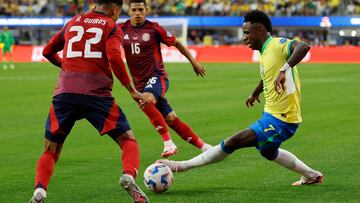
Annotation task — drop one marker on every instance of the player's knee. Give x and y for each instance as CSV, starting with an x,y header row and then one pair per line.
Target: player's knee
x,y
269,154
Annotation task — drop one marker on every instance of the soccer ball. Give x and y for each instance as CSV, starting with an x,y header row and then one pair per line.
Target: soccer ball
x,y
158,177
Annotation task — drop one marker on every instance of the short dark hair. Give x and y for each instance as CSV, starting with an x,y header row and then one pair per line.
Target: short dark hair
x,y
137,1
257,16
118,2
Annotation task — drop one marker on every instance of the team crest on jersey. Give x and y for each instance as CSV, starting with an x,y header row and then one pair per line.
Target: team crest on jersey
x,y
145,37
283,40
126,37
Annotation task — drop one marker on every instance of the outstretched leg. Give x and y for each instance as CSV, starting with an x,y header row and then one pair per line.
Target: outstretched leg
x,y
245,138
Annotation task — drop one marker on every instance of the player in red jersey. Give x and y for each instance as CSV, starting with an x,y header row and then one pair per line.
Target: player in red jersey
x,y
91,52
141,41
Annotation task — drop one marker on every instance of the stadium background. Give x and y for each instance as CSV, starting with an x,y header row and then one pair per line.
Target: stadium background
x,y
89,166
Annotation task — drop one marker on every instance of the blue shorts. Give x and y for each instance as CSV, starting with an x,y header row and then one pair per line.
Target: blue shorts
x,y
102,112
271,132
158,85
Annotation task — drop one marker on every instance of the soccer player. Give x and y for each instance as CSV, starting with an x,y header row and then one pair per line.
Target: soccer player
x,y
7,39
91,52
281,118
141,41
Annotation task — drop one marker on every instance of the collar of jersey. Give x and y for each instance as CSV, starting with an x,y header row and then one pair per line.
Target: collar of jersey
x,y
265,44
99,12
140,26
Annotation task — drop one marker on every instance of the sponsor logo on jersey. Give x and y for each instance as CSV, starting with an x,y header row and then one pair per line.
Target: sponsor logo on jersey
x,y
168,33
126,37
145,37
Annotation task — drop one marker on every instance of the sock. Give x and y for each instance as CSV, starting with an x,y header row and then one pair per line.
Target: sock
x,y
212,155
186,133
290,161
130,157
44,169
157,120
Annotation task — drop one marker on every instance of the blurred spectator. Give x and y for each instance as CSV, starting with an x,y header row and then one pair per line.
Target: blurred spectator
x,y
188,7
208,39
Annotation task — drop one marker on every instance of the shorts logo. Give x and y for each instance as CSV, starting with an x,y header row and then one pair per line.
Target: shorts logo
x,y
271,127
145,37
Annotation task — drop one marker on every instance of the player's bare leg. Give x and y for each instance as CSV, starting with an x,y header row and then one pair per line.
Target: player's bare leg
x,y
4,62
185,132
44,170
160,125
12,66
131,162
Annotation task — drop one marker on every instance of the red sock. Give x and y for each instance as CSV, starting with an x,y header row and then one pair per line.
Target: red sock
x,y
130,157
44,169
186,133
157,121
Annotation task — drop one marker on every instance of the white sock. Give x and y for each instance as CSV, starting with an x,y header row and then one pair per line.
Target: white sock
x,y
290,161
212,155
169,143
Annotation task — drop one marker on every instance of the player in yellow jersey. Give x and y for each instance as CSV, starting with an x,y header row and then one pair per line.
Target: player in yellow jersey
x,y
282,116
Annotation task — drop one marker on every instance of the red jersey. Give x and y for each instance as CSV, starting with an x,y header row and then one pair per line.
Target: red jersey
x,y
143,50
90,42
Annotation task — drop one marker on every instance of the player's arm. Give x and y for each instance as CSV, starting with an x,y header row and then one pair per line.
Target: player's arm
x,y
118,67
255,95
55,45
298,51
198,68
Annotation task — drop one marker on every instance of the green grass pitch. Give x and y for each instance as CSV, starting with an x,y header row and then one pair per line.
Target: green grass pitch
x,y
89,167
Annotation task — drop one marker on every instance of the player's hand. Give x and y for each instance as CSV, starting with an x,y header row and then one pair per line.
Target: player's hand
x,y
251,100
199,69
279,82
139,98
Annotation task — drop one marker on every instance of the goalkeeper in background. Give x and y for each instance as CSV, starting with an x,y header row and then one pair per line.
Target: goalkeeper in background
x,y
7,39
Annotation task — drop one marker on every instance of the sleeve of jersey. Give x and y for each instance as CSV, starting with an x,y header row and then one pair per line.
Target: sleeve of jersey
x,y
113,52
55,45
166,36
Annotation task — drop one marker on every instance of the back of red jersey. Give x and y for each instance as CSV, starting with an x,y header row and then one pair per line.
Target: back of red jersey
x,y
142,47
85,66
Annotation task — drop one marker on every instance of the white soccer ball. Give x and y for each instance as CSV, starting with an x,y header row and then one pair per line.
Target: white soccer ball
x,y
158,177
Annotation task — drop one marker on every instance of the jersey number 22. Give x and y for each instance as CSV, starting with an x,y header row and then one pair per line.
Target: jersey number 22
x,y
87,50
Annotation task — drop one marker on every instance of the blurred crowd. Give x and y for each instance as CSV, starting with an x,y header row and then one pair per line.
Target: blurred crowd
x,y
188,7
201,37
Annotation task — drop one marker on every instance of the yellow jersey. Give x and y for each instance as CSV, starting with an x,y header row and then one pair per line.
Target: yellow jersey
x,y
273,55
